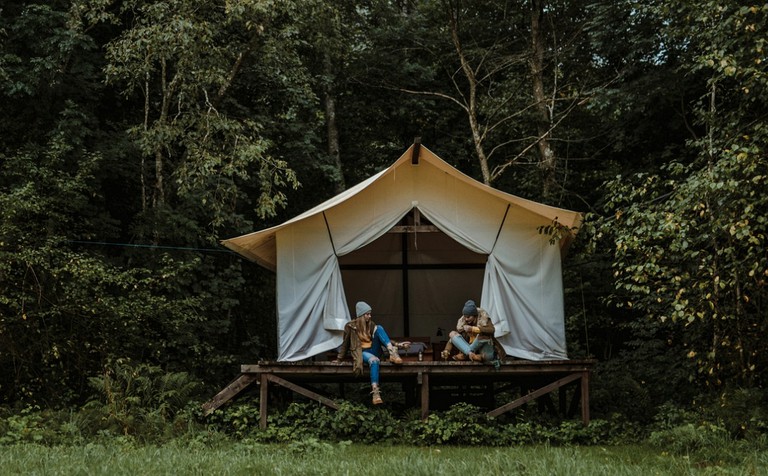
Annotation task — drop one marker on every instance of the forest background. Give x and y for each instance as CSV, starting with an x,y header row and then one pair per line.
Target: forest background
x,y
137,134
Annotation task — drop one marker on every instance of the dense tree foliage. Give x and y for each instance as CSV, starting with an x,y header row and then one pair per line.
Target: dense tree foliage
x,y
690,243
138,133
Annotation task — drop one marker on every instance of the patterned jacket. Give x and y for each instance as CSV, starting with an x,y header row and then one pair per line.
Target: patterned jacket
x,y
482,329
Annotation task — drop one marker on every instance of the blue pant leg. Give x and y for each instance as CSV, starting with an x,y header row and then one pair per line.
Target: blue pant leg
x,y
460,344
380,339
373,362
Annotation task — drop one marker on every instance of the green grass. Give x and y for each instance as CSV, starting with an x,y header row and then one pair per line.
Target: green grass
x,y
318,458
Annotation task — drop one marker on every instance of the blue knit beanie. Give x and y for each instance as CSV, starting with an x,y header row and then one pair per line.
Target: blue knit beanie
x,y
363,307
469,308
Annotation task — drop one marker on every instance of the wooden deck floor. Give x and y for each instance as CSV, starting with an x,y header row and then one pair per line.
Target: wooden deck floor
x,y
540,379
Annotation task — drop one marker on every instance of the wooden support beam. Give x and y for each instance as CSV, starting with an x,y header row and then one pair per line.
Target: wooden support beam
x,y
535,394
414,229
228,393
303,391
423,379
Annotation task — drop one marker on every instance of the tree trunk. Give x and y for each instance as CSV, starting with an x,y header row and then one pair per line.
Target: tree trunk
x,y
332,128
158,198
143,170
543,107
471,101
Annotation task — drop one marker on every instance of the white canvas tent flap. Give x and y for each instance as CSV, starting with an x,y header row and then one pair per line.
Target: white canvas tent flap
x,y
522,285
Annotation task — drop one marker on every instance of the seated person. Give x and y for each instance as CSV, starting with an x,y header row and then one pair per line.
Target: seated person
x,y
364,340
473,337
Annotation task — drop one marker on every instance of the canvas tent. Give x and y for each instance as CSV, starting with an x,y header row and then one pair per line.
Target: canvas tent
x,y
480,243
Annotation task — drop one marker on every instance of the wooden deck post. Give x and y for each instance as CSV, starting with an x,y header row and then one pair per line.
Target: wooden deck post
x,y
263,397
584,389
423,380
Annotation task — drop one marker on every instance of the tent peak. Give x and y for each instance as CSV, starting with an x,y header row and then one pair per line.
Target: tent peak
x,y
416,151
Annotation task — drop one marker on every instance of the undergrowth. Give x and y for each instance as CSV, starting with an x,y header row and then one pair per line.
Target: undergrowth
x,y
140,404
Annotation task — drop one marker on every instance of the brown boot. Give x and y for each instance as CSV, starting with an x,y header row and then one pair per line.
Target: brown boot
x,y
376,395
459,357
446,353
394,356
476,357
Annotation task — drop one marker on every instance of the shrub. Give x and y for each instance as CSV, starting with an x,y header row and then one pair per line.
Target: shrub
x,y
670,415
25,427
616,430
141,400
363,424
239,419
462,424
622,394
743,412
307,421
300,421
705,442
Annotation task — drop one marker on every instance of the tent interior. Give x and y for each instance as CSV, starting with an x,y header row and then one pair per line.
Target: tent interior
x,y
415,277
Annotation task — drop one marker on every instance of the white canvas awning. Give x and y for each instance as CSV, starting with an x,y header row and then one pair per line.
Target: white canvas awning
x,y
522,279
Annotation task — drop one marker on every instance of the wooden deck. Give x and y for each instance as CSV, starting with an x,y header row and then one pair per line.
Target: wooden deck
x,y
539,379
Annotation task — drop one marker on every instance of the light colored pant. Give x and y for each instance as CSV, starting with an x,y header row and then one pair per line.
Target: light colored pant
x,y
478,346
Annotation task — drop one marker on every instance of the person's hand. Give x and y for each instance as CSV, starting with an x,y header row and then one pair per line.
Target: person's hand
x,y
467,328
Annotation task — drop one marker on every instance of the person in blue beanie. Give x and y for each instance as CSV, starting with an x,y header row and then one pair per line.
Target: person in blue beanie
x,y
364,339
474,337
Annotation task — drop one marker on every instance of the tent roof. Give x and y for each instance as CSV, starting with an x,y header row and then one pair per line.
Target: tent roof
x,y
261,246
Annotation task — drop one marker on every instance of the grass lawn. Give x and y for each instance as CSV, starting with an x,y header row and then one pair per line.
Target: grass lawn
x,y
319,458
